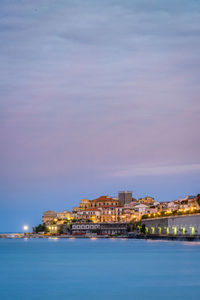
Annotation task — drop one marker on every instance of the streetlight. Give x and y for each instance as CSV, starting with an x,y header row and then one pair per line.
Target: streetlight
x,y
25,228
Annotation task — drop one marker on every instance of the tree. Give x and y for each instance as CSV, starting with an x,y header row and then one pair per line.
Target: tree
x,y
198,199
135,225
60,231
41,228
143,229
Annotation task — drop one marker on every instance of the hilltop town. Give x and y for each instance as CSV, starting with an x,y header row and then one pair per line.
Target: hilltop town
x,y
118,215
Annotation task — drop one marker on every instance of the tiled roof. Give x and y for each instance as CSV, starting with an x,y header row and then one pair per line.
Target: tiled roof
x,y
104,198
91,209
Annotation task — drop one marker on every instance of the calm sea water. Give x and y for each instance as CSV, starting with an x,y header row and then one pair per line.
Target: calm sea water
x,y
98,269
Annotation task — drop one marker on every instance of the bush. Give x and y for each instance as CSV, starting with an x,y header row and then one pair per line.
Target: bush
x,y
41,228
198,199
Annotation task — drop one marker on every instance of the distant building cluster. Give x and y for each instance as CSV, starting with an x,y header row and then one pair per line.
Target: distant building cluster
x,y
110,214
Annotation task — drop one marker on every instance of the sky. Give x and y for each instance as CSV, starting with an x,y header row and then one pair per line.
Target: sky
x,y
96,97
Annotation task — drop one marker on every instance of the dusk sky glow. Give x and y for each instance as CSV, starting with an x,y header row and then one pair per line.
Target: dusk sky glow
x,y
96,97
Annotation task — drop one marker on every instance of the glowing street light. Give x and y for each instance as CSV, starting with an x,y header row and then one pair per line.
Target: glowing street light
x,y
25,228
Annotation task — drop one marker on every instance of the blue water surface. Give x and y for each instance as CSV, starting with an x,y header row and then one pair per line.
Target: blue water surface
x,y
98,269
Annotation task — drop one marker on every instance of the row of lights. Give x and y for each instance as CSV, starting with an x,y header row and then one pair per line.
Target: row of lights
x,y
170,212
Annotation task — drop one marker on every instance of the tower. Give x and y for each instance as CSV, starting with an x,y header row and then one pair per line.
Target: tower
x,y
125,197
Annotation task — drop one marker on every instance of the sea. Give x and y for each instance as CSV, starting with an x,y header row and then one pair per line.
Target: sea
x,y
97,269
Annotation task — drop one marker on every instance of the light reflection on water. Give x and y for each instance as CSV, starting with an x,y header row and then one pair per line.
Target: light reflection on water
x,y
163,241
99,269
191,243
186,243
53,238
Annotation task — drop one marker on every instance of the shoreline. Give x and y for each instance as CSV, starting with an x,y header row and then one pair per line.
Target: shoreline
x,y
133,236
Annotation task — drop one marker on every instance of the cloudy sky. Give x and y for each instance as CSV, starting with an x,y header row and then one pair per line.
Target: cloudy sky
x,y
96,97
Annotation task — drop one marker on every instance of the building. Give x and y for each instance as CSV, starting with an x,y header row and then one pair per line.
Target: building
x,y
130,215
97,203
172,206
124,197
92,214
120,215
84,228
59,218
59,229
99,228
113,228
54,229
131,204
108,213
65,215
48,217
147,200
141,209
84,204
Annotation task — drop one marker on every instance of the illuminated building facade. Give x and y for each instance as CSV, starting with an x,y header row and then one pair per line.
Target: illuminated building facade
x,y
103,201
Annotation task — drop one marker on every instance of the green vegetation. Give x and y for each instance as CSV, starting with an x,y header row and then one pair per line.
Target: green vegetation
x,y
135,225
139,227
143,228
60,231
75,220
41,228
198,199
128,228
67,222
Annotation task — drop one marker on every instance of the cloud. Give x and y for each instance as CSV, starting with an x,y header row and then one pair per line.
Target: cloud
x,y
156,170
98,83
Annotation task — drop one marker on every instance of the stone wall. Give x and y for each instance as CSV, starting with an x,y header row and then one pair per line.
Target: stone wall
x,y
177,225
